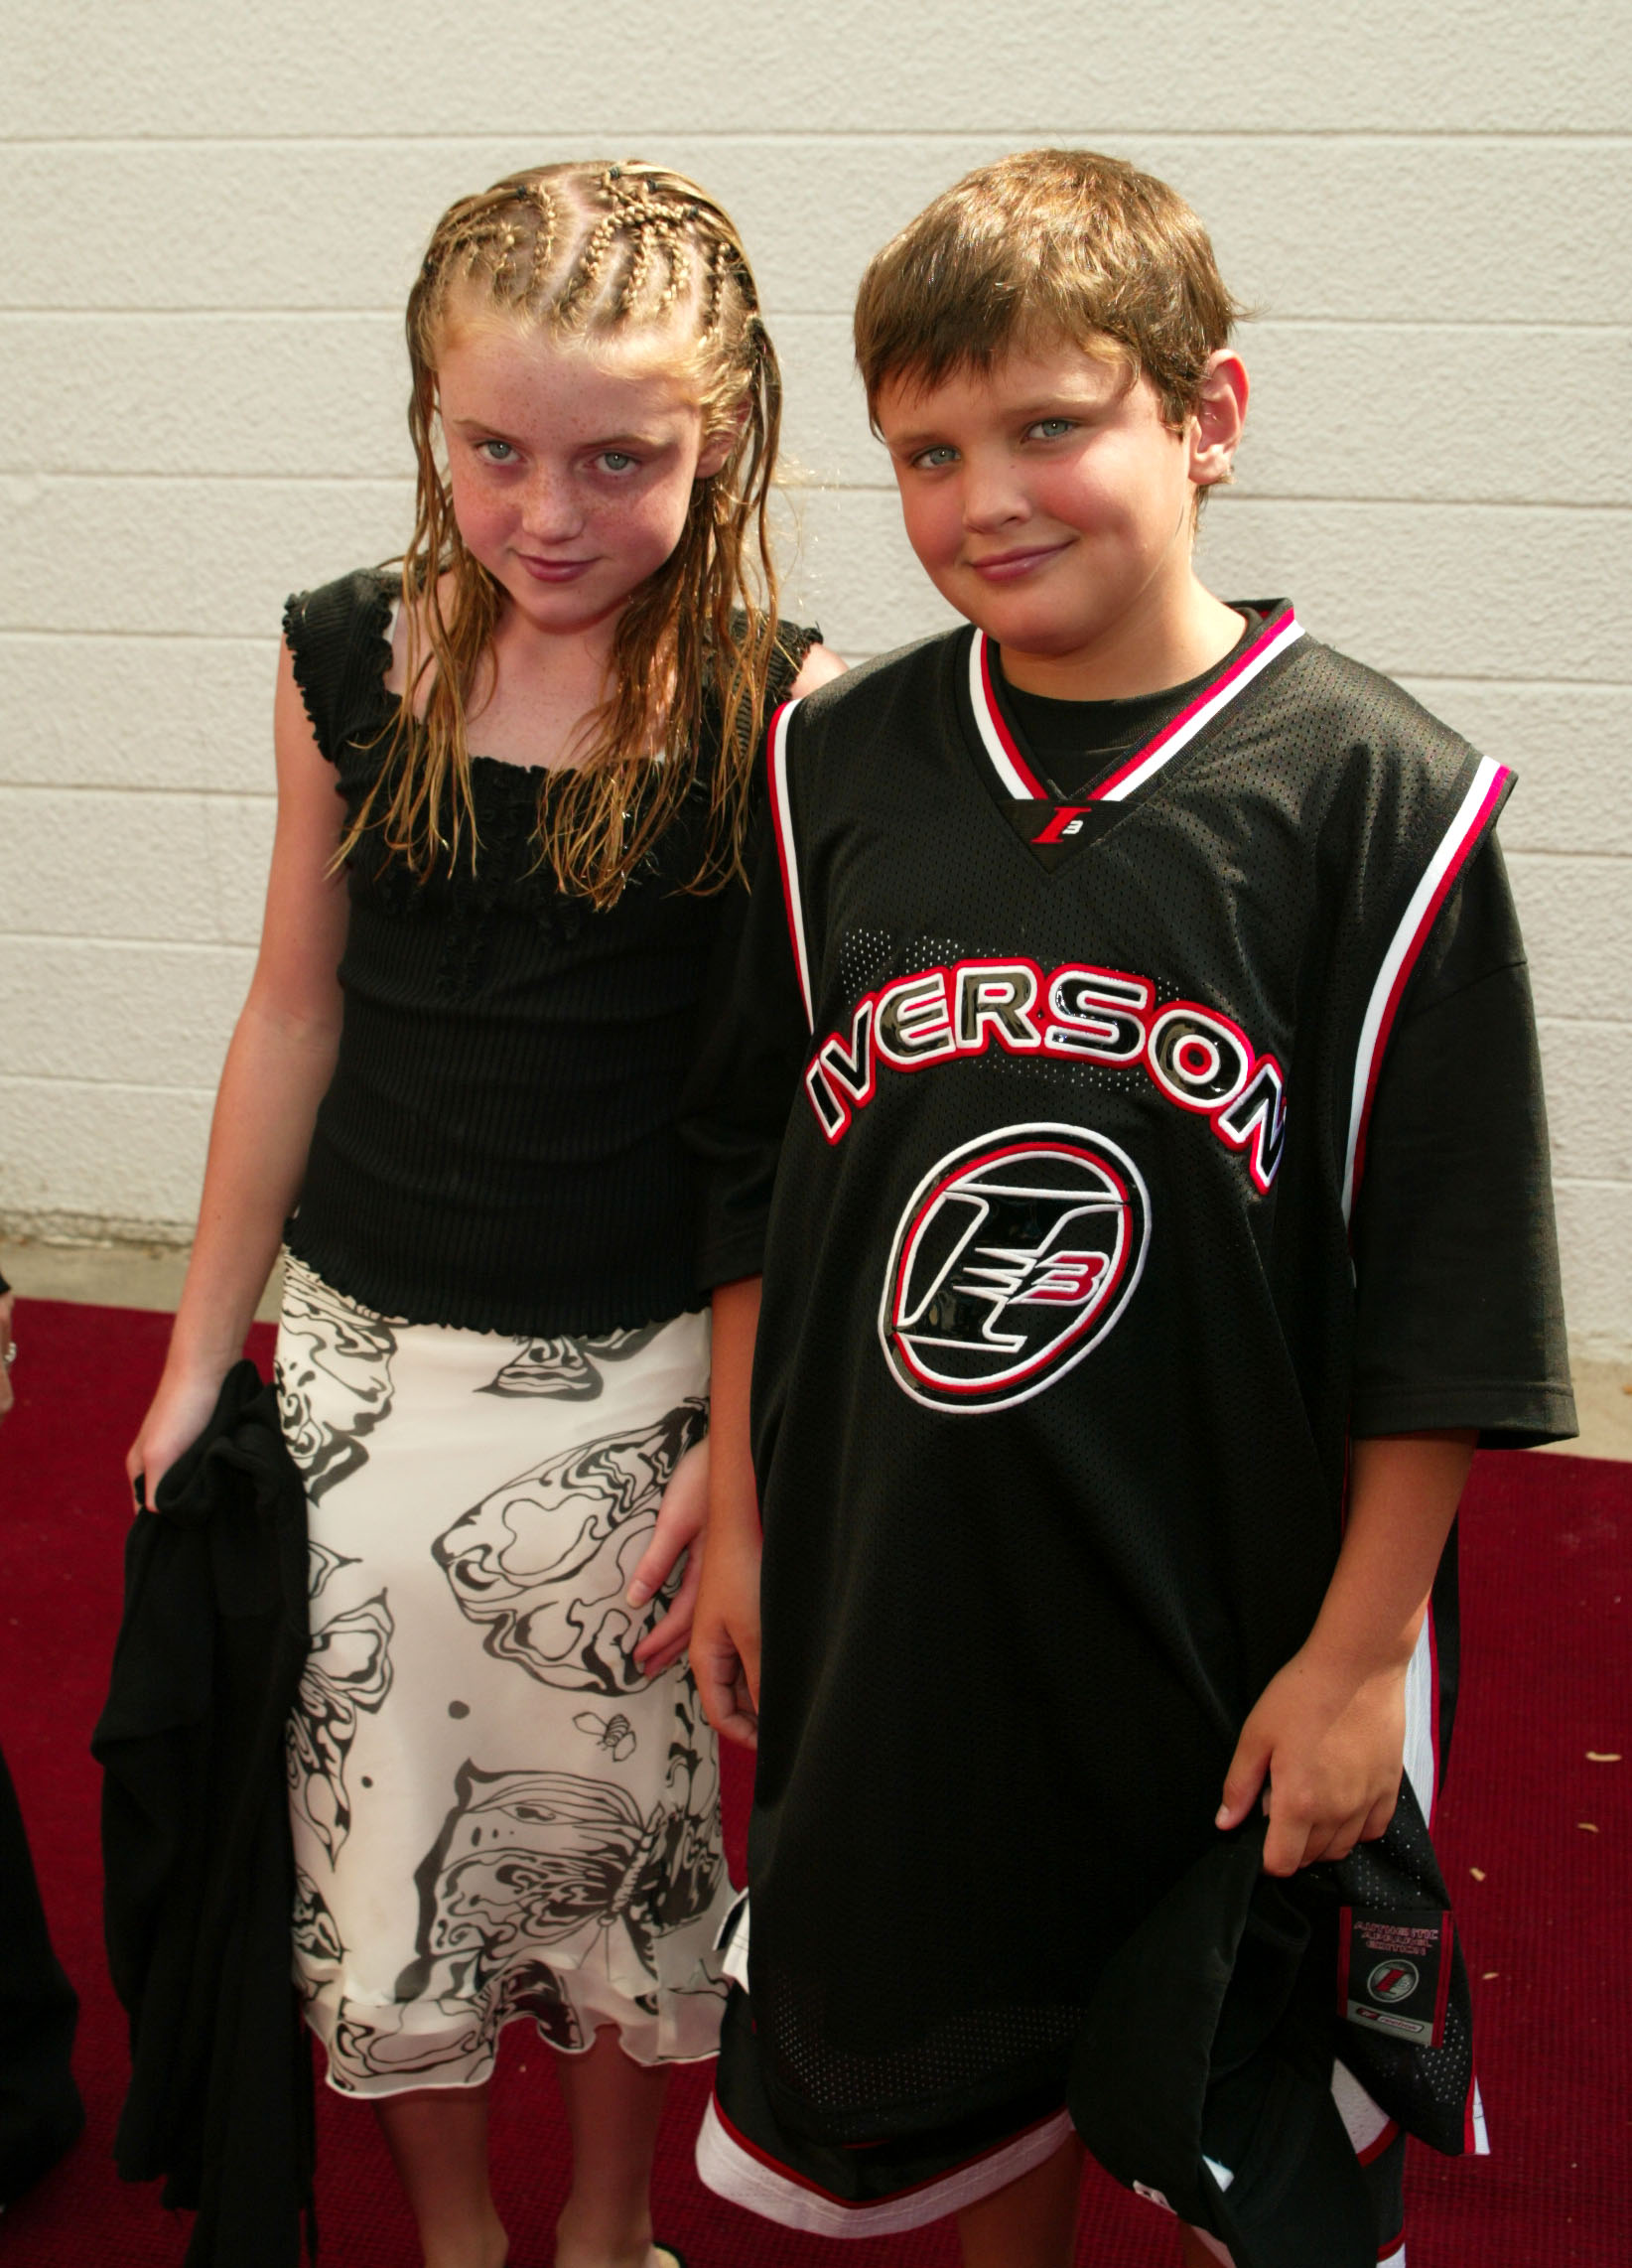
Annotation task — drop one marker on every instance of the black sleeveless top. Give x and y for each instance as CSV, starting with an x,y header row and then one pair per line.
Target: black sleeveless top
x,y
497,1149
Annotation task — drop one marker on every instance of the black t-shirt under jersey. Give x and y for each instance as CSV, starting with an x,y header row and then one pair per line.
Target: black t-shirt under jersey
x,y
1078,743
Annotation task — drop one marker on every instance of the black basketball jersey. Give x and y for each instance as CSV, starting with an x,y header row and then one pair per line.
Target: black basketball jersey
x,y
1051,1390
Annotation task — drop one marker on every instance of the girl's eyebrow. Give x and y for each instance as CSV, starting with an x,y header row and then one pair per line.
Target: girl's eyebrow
x,y
649,441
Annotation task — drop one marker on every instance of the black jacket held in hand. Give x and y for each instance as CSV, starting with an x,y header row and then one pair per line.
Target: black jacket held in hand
x,y
196,1843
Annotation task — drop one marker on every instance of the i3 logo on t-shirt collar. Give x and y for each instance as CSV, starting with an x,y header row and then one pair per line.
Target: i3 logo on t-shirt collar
x,y
1015,1256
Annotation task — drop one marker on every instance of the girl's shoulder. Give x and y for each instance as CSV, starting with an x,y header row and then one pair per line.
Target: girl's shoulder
x,y
793,641
339,647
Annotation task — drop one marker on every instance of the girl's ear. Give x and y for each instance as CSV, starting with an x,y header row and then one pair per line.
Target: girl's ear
x,y
1220,414
716,449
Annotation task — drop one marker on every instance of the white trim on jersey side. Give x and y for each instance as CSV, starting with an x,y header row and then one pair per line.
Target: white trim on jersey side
x,y
1421,1756
1275,637
1439,877
731,2169
781,819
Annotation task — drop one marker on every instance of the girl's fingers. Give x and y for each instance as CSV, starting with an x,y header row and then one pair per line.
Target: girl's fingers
x,y
670,1637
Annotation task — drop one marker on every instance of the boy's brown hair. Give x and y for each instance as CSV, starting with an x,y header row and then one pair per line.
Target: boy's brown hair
x,y
1048,244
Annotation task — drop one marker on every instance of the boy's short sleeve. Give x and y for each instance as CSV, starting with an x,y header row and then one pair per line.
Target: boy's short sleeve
x,y
749,1058
1460,1311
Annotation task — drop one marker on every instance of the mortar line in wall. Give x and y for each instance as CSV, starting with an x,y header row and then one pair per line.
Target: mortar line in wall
x,y
108,1085
1229,502
266,641
779,137
135,787
1233,502
393,315
84,944
1552,325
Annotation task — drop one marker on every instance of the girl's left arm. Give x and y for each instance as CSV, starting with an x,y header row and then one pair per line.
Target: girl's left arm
x,y
819,665
681,1517
1329,1731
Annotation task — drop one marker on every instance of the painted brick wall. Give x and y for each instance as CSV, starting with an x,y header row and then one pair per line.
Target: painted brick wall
x,y
210,215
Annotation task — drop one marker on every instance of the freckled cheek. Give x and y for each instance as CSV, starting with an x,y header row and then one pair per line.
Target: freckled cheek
x,y
483,519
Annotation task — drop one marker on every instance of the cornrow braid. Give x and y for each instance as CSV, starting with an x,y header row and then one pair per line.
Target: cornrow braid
x,y
584,252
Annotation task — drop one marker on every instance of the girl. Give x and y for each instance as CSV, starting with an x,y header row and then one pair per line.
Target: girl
x,y
509,794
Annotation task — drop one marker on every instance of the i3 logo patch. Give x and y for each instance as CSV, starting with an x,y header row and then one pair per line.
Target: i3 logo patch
x,y
1015,1256
1392,1980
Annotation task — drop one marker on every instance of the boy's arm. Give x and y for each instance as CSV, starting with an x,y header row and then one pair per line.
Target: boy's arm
x,y
725,1632
1329,1731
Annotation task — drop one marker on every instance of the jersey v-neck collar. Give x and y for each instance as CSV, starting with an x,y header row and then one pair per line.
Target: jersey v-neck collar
x,y
1018,779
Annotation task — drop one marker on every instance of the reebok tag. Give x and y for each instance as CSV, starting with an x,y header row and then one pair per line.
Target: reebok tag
x,y
1394,1971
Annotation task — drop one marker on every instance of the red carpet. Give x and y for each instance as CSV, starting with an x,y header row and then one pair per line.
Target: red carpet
x,y
1546,1587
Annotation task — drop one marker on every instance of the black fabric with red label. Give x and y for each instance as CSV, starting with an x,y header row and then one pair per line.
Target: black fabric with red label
x,y
1394,1971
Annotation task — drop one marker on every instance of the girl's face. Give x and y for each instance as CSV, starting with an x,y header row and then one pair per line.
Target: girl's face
x,y
571,465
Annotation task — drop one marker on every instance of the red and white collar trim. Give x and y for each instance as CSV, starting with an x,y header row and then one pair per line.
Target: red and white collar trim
x,y
1013,770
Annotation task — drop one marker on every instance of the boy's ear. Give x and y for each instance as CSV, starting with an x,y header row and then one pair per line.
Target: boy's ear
x,y
1220,413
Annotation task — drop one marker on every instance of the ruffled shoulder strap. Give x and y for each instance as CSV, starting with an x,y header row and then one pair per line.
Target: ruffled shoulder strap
x,y
339,640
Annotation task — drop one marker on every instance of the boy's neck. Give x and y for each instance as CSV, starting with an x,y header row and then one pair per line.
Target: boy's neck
x,y
1146,651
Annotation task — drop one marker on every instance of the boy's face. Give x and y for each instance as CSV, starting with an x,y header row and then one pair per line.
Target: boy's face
x,y
1048,500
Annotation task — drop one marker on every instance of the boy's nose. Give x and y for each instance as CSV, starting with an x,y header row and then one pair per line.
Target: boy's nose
x,y
991,495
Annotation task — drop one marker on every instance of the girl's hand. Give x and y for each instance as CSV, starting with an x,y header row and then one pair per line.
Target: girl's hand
x,y
1330,1740
177,1415
678,1534
724,1638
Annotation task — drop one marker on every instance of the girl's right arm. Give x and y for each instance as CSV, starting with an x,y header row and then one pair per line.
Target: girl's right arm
x,y
725,1631
277,1070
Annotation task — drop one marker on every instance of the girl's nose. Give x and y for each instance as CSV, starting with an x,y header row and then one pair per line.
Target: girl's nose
x,y
551,509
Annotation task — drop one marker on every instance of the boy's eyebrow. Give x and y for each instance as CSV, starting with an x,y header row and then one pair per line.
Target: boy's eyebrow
x,y
1054,404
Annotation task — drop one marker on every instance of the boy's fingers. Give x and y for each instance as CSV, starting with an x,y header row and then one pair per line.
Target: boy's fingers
x,y
1243,1781
1284,1845
1378,1817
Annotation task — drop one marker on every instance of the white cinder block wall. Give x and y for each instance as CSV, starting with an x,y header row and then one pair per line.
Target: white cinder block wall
x,y
210,215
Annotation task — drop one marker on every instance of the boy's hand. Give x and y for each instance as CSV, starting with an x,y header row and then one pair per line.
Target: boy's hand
x,y
725,1638
1329,1729
1330,1741
678,1534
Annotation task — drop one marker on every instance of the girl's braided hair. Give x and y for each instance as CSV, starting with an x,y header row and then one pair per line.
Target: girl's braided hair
x,y
589,252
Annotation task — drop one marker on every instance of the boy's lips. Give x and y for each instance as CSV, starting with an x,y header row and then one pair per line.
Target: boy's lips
x,y
554,570
1009,566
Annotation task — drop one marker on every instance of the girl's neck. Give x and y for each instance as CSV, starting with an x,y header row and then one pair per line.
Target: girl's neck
x,y
540,691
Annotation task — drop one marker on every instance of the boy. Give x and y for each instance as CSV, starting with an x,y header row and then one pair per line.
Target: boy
x,y
1135,1026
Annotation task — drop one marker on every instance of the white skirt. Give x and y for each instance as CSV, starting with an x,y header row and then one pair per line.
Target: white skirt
x,y
496,1814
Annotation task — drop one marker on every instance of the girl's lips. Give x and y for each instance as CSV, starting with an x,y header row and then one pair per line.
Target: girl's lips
x,y
555,570
1009,566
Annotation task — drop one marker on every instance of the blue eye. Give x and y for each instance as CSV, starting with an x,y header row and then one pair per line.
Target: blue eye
x,y
1054,428
617,460
932,460
495,451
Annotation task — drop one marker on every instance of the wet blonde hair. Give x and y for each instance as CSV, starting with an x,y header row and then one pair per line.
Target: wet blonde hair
x,y
588,252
